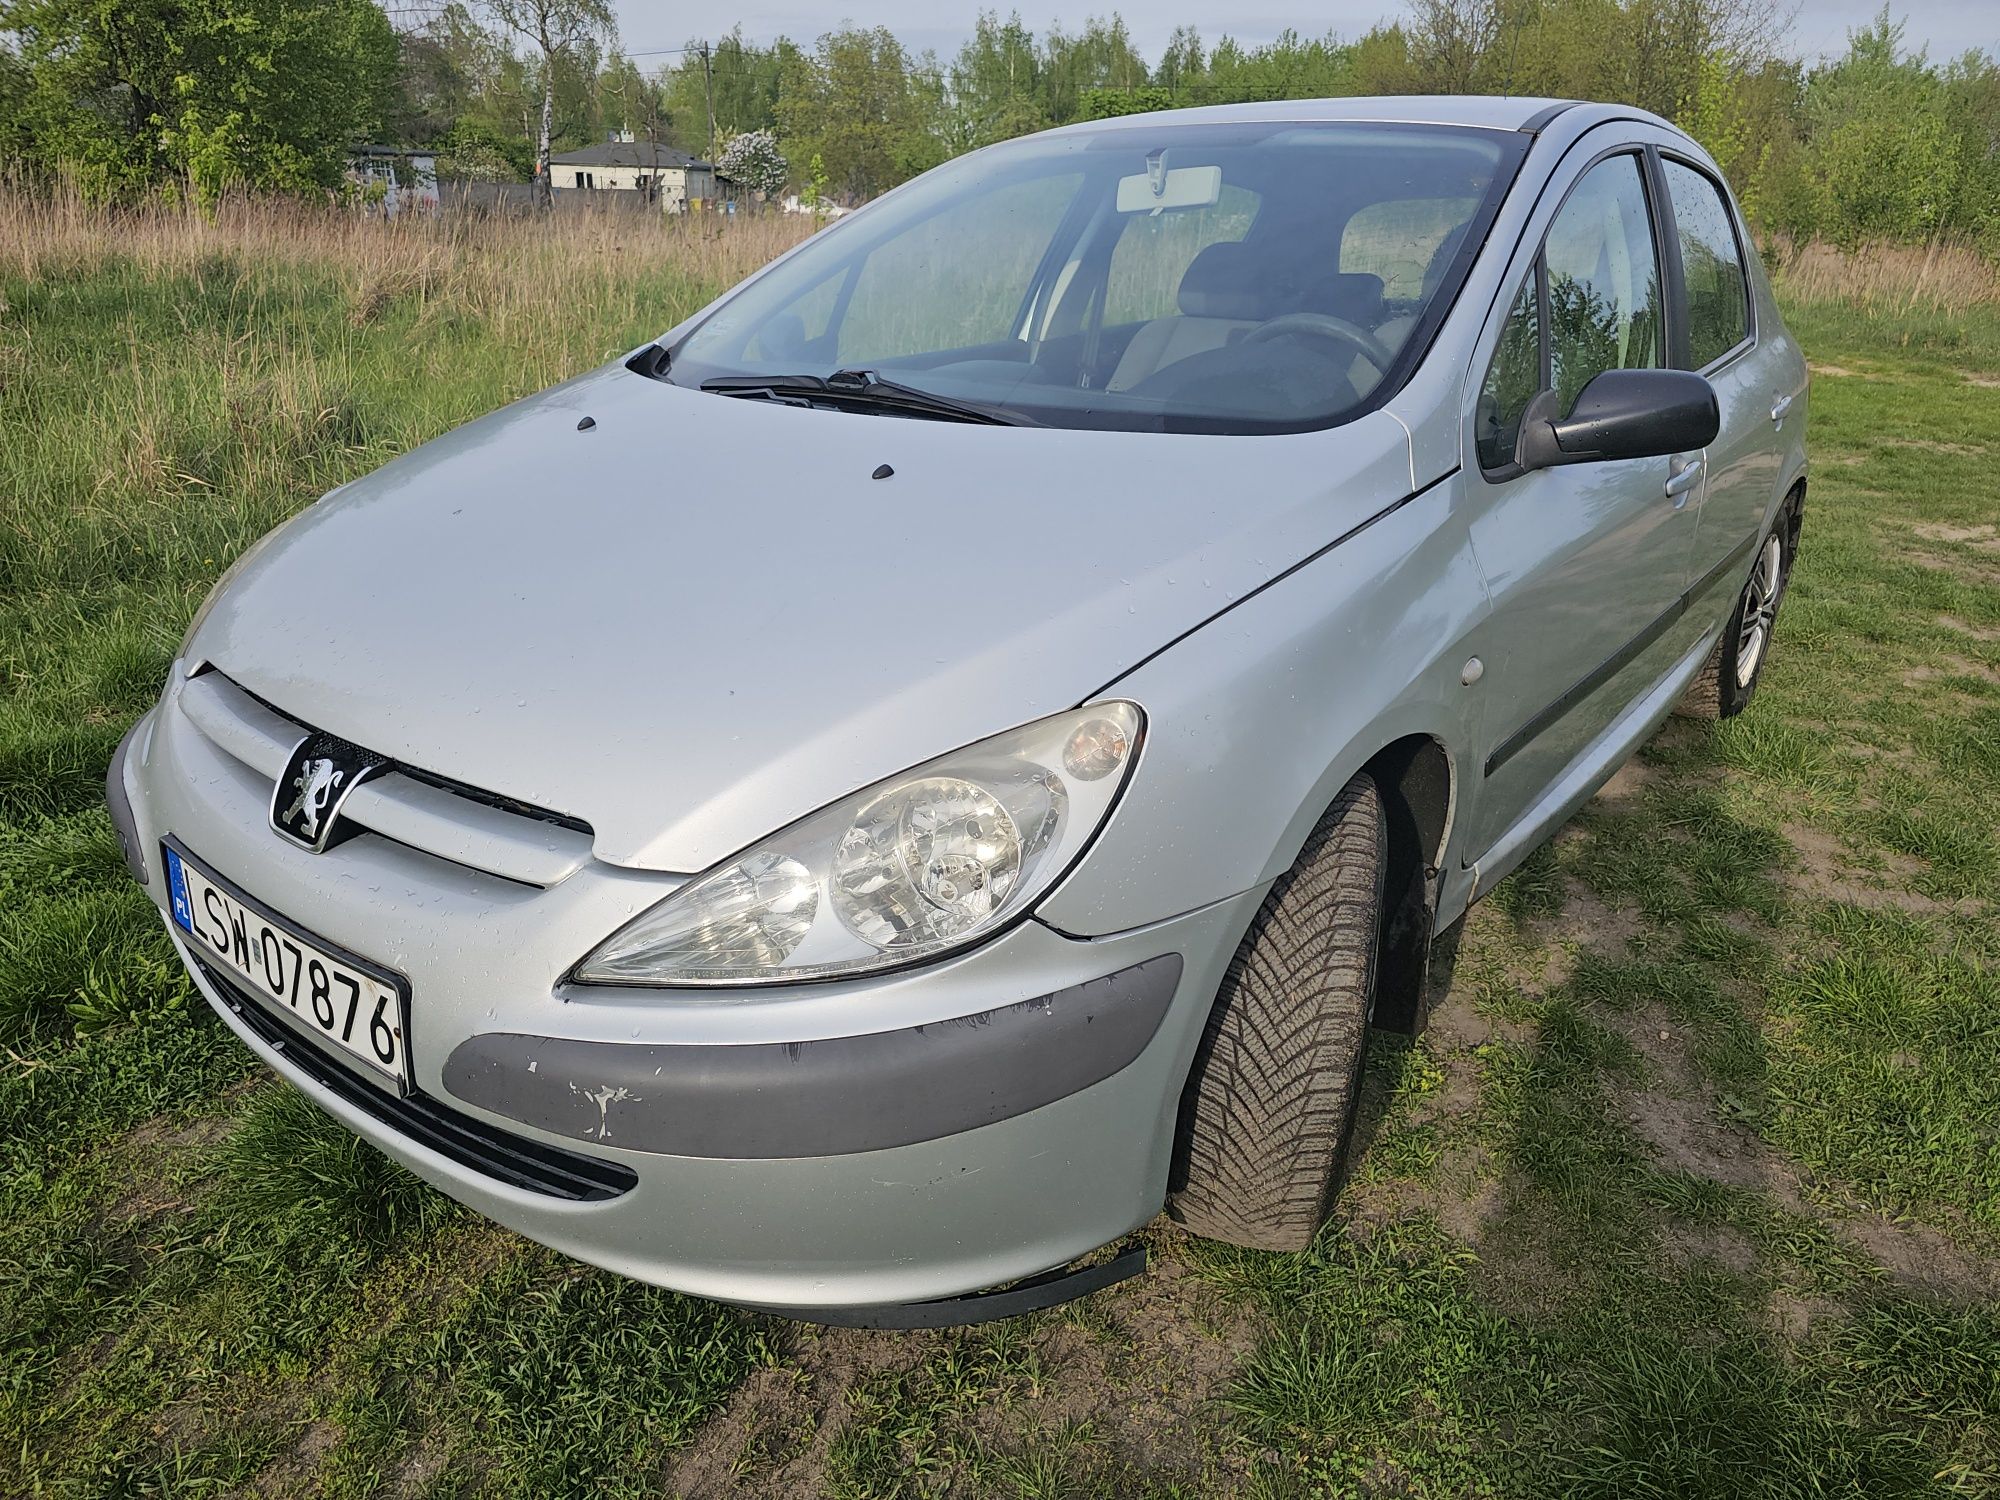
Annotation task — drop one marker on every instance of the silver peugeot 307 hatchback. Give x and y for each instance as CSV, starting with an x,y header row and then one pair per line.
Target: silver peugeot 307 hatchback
x,y
947,751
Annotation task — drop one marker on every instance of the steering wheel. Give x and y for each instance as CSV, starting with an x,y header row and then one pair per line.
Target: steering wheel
x,y
1325,325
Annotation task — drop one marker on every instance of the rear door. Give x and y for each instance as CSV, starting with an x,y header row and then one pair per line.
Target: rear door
x,y
1583,562
1719,338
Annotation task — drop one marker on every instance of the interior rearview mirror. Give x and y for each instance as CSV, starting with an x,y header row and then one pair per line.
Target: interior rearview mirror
x,y
1621,414
1157,188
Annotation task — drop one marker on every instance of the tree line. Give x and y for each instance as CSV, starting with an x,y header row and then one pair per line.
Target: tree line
x,y
122,96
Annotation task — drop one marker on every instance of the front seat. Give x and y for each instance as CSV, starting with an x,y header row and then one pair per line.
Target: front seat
x,y
1232,287
1219,302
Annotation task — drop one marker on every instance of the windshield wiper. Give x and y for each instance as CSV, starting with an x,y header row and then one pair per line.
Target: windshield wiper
x,y
864,390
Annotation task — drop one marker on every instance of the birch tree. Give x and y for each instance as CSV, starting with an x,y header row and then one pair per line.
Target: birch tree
x,y
558,29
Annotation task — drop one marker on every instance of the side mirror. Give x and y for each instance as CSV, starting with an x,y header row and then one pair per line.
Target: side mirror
x,y
1621,414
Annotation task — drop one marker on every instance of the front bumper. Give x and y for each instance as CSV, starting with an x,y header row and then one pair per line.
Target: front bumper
x,y
914,1136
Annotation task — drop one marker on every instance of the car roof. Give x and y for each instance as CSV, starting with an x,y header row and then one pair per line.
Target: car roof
x,y
1491,112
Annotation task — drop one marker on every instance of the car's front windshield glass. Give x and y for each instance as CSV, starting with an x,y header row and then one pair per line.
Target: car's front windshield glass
x,y
1261,277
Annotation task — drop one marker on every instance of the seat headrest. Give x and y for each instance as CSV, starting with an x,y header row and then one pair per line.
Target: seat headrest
x,y
1231,279
1223,282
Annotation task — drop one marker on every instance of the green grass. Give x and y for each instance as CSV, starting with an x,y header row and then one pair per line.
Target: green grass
x,y
1693,1191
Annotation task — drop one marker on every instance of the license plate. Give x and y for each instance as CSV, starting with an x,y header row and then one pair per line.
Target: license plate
x,y
331,996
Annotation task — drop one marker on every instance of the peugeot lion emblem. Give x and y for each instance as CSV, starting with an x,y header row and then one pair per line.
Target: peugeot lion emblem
x,y
322,770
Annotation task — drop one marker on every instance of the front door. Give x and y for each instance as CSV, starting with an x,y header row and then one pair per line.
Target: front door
x,y
1581,562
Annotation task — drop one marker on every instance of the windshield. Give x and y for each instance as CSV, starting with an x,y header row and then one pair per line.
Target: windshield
x,y
1267,277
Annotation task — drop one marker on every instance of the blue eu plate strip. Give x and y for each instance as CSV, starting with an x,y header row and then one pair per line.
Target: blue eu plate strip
x,y
177,888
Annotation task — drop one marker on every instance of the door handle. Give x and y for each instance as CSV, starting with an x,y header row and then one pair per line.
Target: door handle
x,y
1683,476
1778,409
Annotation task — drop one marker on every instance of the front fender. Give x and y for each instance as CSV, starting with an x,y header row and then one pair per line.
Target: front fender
x,y
1257,719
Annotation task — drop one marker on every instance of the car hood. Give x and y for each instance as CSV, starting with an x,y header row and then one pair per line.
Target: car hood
x,y
697,618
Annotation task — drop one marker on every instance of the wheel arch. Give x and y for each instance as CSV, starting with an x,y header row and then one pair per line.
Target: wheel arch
x,y
1414,775
1793,509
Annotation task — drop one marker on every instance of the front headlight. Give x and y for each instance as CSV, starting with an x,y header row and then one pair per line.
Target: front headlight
x,y
912,867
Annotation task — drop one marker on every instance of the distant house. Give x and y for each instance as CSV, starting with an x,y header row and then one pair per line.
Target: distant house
x,y
671,178
408,178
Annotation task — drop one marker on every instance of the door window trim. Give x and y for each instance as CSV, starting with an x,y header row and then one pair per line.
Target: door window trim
x,y
1682,310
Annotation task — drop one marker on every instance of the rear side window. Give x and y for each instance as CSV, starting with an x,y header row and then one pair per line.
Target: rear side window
x,y
1718,296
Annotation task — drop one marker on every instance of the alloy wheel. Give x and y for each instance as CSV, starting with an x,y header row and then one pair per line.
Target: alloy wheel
x,y
1760,609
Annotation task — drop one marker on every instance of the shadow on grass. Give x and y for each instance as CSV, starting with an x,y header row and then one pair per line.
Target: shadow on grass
x,y
1565,1350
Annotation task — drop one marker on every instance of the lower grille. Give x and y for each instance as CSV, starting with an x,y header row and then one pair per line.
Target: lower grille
x,y
494,1153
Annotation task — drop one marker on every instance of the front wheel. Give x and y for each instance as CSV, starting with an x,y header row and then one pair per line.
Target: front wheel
x,y
1265,1118
1728,678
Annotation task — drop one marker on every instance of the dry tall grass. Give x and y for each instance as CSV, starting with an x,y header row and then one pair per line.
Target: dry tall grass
x,y
589,268
44,232
1941,277
588,261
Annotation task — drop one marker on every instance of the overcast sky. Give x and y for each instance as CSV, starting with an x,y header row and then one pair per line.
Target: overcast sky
x,y
1947,27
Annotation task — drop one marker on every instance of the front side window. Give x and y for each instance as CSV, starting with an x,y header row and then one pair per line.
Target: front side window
x,y
1511,380
1718,296
1592,303
1605,305
1254,277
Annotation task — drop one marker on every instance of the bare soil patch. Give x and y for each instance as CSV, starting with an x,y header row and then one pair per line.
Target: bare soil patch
x,y
1935,445
295,1470
1688,1244
1462,1192
772,1436
1458,1029
1678,1118
1586,921
1970,569
1939,531
1825,873
1951,666
1791,1317
1467,1200
1627,784
418,1473
157,1149
1924,1256
1977,632
1143,1364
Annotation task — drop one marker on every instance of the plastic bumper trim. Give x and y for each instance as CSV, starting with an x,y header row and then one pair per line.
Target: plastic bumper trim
x,y
833,1097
